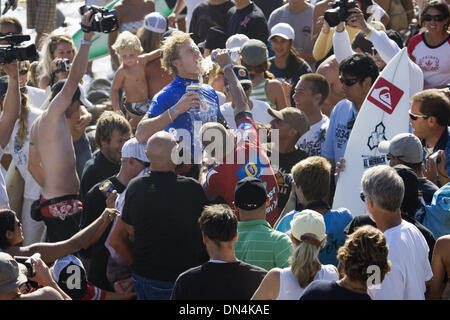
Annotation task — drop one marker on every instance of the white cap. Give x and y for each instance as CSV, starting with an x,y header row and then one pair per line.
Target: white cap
x,y
133,149
283,30
308,222
236,41
155,22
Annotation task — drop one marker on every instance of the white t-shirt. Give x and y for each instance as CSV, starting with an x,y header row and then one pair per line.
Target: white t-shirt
x,y
290,288
259,113
410,267
20,154
36,95
312,140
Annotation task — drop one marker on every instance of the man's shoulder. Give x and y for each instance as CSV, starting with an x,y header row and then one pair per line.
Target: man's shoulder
x,y
252,269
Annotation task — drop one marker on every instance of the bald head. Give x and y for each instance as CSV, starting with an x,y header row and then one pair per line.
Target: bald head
x,y
159,150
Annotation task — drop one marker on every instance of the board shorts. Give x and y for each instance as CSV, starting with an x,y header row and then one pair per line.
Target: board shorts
x,y
61,216
41,15
137,108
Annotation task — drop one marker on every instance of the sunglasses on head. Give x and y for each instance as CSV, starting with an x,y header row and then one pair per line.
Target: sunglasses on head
x,y
348,82
414,117
429,17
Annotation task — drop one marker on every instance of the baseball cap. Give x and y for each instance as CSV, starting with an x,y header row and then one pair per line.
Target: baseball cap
x,y
241,73
155,22
250,193
12,273
283,30
236,41
98,96
296,118
254,52
308,222
70,275
405,146
133,149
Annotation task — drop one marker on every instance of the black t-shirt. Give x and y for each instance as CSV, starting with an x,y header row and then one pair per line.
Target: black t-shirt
x,y
330,290
365,219
249,21
428,189
268,6
286,162
93,206
163,209
95,170
219,281
205,16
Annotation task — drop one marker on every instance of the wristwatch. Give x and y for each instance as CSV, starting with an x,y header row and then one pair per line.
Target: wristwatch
x,y
86,42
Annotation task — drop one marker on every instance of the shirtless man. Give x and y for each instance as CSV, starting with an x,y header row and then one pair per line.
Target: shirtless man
x,y
52,157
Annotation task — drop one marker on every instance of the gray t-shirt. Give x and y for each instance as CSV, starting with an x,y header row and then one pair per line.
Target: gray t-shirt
x,y
302,23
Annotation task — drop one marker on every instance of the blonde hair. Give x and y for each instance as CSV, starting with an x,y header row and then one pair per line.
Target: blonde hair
x,y
127,40
169,50
49,48
305,261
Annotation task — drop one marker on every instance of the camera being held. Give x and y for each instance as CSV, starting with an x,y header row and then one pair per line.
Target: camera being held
x,y
15,51
104,20
26,261
339,12
64,66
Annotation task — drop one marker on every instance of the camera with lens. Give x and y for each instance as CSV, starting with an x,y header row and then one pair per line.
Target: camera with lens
x,y
104,20
64,66
339,11
15,51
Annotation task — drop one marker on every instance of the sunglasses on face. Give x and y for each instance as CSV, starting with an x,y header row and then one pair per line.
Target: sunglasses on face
x,y
389,156
23,72
348,82
414,117
429,17
362,196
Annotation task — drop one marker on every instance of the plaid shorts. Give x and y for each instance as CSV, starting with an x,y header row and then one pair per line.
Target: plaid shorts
x,y
41,15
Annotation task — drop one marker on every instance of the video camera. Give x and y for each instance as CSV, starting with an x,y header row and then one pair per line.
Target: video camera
x,y
104,20
14,51
339,11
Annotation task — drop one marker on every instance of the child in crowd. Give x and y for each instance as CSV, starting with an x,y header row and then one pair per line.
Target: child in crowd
x,y
130,77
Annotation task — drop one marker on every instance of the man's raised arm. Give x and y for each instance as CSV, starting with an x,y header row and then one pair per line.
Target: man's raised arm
x,y
64,98
238,97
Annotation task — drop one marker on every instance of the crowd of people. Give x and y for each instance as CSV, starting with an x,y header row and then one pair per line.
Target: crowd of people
x,y
205,168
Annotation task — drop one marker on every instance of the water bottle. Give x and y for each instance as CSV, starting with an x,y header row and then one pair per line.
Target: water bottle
x,y
234,54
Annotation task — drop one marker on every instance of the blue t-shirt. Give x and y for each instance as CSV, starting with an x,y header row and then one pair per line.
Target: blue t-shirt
x,y
342,119
186,126
335,222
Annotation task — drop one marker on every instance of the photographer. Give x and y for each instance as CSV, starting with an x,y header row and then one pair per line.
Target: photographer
x,y
383,45
14,276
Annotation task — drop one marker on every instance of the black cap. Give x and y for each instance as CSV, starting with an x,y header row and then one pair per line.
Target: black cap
x,y
241,73
250,194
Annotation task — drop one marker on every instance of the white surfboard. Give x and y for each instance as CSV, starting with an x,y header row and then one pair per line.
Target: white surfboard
x,y
383,115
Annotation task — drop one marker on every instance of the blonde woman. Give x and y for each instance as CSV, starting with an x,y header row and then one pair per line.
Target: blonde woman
x,y
56,47
308,236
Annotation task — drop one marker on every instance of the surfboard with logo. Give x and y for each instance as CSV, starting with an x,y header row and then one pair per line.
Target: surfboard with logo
x,y
99,46
383,115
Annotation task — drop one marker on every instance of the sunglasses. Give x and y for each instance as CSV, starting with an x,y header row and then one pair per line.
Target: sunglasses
x,y
389,156
23,72
348,82
429,17
362,196
414,117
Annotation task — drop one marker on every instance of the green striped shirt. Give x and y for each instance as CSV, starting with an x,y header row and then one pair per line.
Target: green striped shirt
x,y
260,245
259,93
